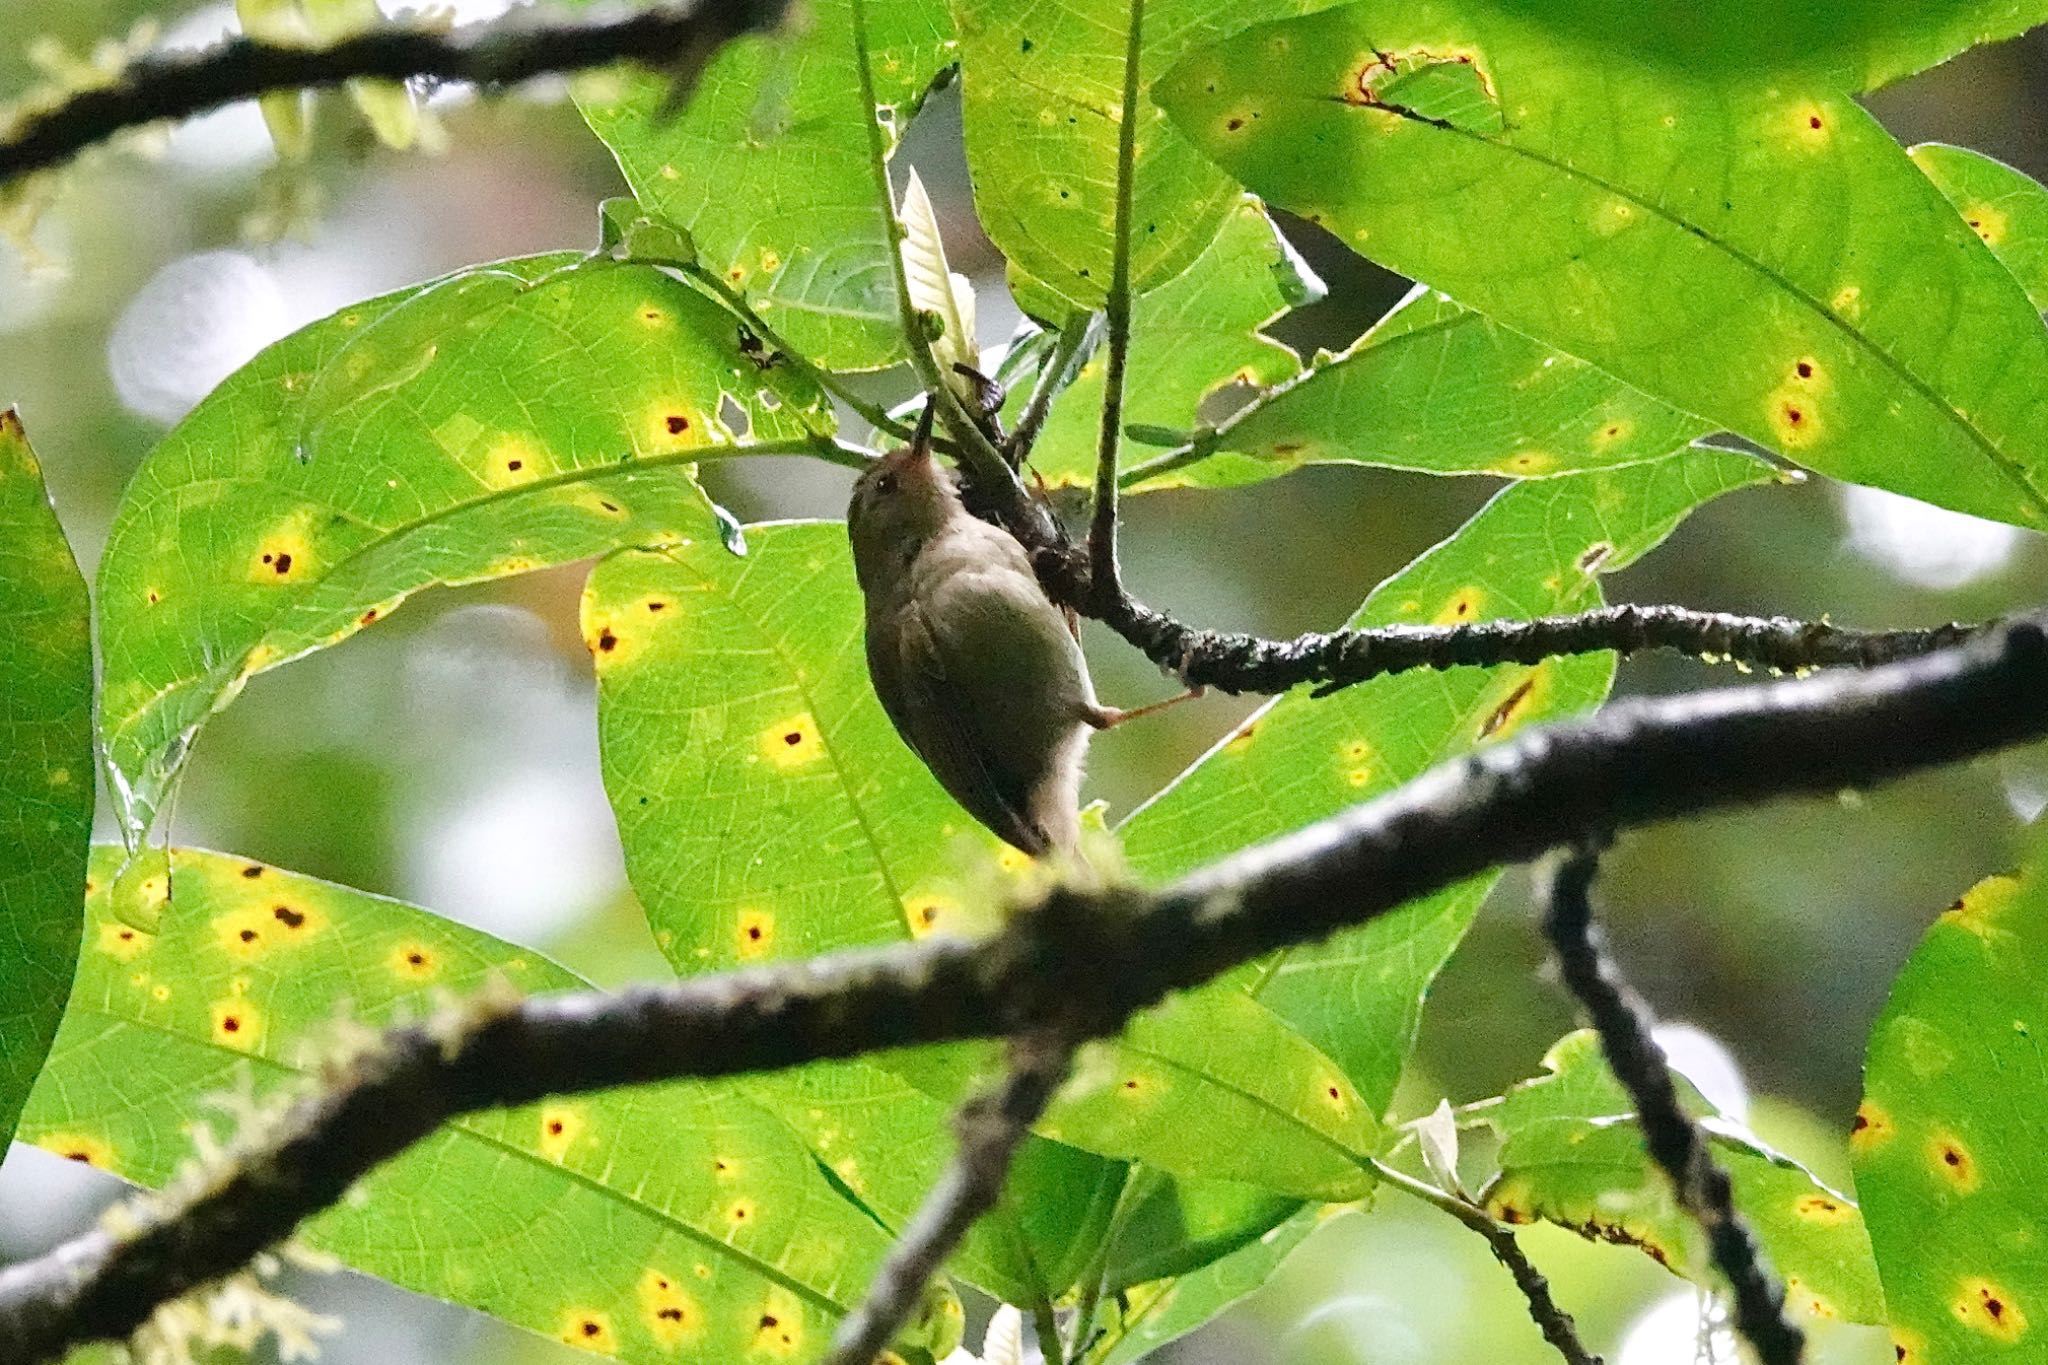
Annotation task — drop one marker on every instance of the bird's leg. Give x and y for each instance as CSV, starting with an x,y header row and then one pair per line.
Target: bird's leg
x,y
1109,717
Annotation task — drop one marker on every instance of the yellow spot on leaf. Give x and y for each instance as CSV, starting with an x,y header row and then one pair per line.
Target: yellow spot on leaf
x,y
740,1213
122,941
1013,861
160,992
1822,1208
1983,905
792,742
560,1126
1614,216
1524,463
80,1147
1986,1307
285,553
1518,699
1808,124
1848,301
928,913
1953,1163
588,1330
672,1317
1242,740
1791,411
770,261
1908,1348
1987,222
1462,605
414,962
1871,1128
512,461
669,425
754,934
778,1327
237,1024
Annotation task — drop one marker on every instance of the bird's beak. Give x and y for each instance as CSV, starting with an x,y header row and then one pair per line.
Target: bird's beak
x,y
921,439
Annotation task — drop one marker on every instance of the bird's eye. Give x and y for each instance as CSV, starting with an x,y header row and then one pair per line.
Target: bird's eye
x,y
886,483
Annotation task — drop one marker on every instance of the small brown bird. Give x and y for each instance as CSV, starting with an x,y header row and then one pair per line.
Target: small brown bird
x,y
978,669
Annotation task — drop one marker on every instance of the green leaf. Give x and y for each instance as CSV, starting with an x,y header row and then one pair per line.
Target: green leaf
x,y
1169,1228
1850,44
500,421
1538,548
733,694
1764,256
1169,1309
1438,388
1041,92
1572,1154
46,767
1949,1142
767,167
1189,338
2007,209
1212,1085
632,1223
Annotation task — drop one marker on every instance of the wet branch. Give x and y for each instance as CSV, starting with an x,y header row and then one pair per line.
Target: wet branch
x,y
676,39
1675,1142
1078,962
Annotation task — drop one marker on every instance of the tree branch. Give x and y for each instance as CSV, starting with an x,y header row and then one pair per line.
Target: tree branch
x,y
676,39
1333,660
1556,1325
1675,1142
1105,582
1079,961
991,1126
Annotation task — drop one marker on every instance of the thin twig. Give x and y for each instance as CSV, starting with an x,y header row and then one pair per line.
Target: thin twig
x,y
1332,660
1675,1142
678,40
736,303
1556,1324
1105,578
1072,344
990,475
990,1128
1081,960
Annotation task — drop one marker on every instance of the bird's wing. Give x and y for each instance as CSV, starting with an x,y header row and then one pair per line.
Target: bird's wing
x,y
932,714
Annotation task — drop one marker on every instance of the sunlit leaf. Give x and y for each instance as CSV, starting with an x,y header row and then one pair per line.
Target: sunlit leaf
x,y
1763,255
1950,1139
46,767
660,1223
1539,548
2008,209
500,421
1572,1154
1041,94
1190,337
1439,388
767,167
733,695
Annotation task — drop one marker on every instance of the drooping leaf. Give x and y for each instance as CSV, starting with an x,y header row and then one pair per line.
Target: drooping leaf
x,y
1572,1154
46,767
1948,1144
2006,208
1439,388
1190,337
936,290
660,1223
1041,100
1539,548
767,167
1763,255
1169,1228
504,420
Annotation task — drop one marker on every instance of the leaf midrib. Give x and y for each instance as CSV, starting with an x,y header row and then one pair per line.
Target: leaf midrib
x,y
1997,457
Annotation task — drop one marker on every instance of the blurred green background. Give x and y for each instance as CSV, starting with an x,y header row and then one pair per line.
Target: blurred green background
x,y
449,756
